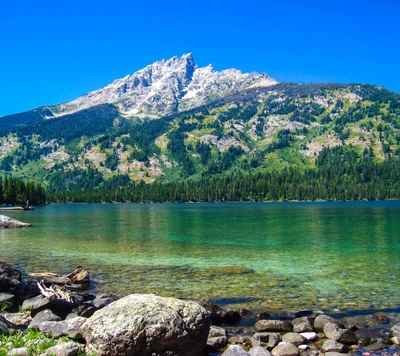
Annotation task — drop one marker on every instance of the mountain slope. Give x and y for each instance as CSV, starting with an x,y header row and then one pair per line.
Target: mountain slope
x,y
285,141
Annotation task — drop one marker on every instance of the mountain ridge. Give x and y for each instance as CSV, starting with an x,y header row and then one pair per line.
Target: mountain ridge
x,y
165,87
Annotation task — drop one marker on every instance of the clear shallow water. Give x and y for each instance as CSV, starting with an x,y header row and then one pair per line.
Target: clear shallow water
x,y
276,256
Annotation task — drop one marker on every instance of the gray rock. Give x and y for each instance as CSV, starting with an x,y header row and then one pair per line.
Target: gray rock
x,y
20,351
301,325
54,328
64,349
334,346
259,351
8,223
321,320
8,284
285,349
274,325
266,340
104,299
70,328
333,353
71,316
344,336
10,271
293,338
235,350
217,343
73,328
217,338
216,331
6,300
44,315
395,330
18,319
144,324
59,307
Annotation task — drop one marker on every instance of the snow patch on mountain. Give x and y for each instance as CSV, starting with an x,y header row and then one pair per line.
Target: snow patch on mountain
x,y
167,86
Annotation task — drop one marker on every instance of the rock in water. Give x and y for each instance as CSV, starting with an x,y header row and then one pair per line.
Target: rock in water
x,y
7,223
146,324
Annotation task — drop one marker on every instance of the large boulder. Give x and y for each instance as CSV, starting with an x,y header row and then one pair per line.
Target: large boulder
x,y
146,324
8,223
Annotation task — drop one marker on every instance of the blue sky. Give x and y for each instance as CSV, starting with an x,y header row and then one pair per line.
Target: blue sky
x,y
55,51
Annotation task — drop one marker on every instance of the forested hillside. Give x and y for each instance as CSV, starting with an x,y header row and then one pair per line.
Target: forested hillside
x,y
284,142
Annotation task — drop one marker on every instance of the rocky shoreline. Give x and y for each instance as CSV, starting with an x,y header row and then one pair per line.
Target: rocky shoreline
x,y
60,307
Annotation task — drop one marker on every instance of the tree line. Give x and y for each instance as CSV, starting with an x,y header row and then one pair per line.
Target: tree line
x,y
17,192
340,174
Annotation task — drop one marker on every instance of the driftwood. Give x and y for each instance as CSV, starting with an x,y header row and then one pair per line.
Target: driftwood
x,y
54,292
77,279
44,274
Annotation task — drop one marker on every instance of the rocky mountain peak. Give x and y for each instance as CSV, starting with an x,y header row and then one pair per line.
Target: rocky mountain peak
x,y
167,86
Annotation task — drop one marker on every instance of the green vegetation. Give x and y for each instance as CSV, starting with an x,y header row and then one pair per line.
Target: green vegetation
x,y
340,174
36,342
286,142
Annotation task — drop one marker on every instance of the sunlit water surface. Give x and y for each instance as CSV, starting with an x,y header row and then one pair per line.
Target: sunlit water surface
x,y
282,256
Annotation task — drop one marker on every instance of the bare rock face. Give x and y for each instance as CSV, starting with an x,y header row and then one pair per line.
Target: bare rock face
x,y
8,223
168,86
146,325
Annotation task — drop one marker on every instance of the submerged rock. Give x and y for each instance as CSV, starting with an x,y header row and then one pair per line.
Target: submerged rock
x,y
146,324
8,223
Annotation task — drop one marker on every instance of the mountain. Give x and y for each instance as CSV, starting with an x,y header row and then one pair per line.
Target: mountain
x,y
166,87
216,136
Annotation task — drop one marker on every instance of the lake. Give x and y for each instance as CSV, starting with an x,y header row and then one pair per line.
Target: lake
x,y
274,256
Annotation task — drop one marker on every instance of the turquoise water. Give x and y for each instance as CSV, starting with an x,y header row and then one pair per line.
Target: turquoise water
x,y
280,256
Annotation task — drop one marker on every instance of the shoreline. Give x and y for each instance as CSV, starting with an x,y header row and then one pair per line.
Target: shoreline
x,y
237,327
